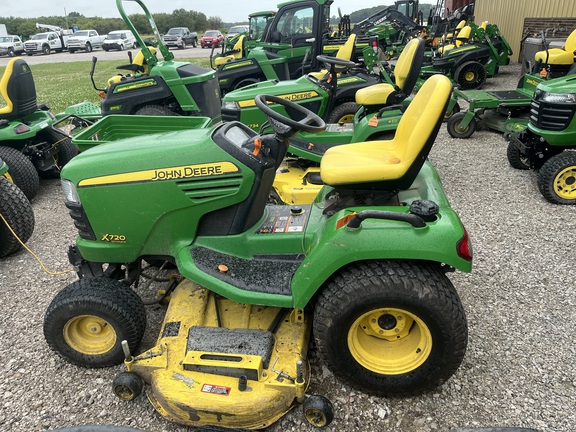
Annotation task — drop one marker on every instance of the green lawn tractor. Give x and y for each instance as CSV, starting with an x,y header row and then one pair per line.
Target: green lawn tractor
x,y
155,87
548,145
330,93
16,214
29,142
471,63
508,111
362,270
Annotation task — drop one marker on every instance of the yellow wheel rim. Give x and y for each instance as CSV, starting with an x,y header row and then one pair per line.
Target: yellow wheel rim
x,y
390,341
8,177
565,183
347,118
315,417
469,76
89,335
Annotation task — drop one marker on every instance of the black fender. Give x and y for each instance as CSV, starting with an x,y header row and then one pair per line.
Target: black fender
x,y
127,94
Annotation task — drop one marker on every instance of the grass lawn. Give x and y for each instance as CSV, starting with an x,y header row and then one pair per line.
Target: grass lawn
x,y
63,84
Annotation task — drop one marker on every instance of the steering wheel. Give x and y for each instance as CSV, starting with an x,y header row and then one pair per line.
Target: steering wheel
x,y
335,61
286,126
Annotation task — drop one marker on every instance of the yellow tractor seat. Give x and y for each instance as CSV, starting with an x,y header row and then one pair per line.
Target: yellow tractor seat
x,y
18,90
461,38
138,66
236,52
393,164
345,53
559,56
405,76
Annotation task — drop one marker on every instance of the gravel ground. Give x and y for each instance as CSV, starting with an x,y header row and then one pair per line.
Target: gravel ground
x,y
519,300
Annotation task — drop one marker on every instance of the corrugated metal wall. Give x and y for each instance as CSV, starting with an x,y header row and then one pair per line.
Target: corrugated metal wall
x,y
509,15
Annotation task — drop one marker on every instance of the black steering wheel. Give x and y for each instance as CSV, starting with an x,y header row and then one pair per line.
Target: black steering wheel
x,y
339,64
285,126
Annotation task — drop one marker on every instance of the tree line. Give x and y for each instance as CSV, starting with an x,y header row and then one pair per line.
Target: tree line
x,y
195,21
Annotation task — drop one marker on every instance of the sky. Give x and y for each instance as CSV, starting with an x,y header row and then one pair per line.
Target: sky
x,y
227,10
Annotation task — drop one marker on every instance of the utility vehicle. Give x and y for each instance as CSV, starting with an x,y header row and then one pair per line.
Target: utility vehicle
x,y
365,267
16,214
29,142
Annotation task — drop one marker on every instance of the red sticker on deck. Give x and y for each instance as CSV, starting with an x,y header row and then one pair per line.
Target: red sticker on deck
x,y
214,389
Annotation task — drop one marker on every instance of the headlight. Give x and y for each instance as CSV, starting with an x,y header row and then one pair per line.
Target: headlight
x,y
556,97
70,192
230,105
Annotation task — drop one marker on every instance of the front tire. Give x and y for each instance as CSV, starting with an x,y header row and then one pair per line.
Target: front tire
x,y
557,178
183,45
454,130
88,320
21,171
391,328
46,50
343,113
88,47
17,211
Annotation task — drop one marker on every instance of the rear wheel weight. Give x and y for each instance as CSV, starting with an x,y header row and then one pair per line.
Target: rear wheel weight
x,y
87,321
557,178
390,327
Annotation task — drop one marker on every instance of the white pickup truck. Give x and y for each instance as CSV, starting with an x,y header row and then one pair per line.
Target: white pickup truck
x,y
85,40
45,43
11,45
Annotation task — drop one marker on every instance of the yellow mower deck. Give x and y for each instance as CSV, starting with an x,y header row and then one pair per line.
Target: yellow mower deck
x,y
195,369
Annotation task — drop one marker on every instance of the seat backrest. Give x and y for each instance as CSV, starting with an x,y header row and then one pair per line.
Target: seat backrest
x,y
570,45
420,123
345,52
18,90
409,64
140,61
463,35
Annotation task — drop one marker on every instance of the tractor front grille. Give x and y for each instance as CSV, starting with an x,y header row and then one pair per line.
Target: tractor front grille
x,y
551,116
81,221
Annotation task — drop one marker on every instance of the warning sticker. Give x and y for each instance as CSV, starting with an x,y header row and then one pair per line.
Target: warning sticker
x,y
215,389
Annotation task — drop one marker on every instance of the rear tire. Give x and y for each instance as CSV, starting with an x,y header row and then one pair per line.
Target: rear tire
x,y
16,209
391,328
343,113
246,82
154,110
88,320
21,171
557,178
470,75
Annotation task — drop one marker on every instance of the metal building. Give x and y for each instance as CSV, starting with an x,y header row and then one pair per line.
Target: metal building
x,y
515,17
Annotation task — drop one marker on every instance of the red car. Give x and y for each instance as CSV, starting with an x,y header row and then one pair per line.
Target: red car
x,y
212,38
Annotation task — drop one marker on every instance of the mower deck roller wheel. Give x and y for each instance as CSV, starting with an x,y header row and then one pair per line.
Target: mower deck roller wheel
x,y
318,411
127,386
557,178
88,320
391,327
